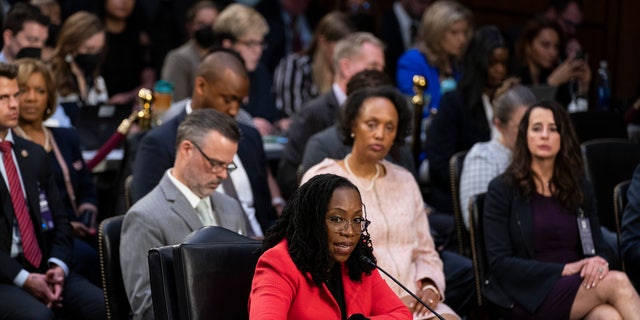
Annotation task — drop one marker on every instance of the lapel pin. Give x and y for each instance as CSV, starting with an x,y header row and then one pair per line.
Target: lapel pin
x,y
24,153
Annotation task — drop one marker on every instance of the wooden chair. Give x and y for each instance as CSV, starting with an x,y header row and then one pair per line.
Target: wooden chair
x,y
462,235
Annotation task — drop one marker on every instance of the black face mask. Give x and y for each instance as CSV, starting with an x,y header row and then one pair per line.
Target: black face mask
x,y
29,52
87,62
204,37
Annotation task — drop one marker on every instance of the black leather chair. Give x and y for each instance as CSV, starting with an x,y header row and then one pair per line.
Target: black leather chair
x,y
619,204
607,163
115,296
212,273
163,285
478,253
462,235
590,125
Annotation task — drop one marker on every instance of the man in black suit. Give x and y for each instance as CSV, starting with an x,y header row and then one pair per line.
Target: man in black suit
x,y
352,54
35,235
399,29
221,83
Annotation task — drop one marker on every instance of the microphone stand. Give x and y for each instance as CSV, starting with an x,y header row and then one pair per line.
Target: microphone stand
x,y
366,259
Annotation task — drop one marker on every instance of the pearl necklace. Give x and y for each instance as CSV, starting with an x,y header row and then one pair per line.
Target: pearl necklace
x,y
371,182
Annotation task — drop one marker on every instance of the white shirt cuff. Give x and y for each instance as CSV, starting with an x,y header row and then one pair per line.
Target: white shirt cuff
x,y
62,265
21,278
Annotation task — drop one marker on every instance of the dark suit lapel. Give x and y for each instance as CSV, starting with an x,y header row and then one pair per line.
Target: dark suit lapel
x,y
523,214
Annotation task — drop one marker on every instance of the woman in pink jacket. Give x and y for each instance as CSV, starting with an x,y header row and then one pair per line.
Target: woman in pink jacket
x,y
311,266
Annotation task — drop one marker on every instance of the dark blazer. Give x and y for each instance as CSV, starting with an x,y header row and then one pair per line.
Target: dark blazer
x,y
454,128
315,116
391,35
514,275
68,142
157,153
33,164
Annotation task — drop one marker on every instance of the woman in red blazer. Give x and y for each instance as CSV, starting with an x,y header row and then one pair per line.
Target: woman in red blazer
x,y
310,266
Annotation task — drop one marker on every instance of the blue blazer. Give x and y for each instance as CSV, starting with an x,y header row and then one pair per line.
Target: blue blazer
x,y
157,153
413,62
36,175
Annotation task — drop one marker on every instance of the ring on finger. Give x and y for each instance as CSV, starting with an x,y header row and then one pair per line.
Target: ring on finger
x,y
430,301
600,270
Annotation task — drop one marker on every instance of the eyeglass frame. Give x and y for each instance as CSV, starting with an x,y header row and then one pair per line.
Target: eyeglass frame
x,y
253,44
216,165
346,223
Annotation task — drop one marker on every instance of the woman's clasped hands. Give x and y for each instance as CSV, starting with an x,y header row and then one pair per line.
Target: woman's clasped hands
x,y
592,270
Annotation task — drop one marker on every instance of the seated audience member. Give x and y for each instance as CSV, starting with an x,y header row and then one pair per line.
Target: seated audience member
x,y
445,30
75,64
311,266
631,230
62,145
354,53
373,121
184,200
487,160
35,280
302,76
543,242
329,143
180,64
568,13
24,32
291,23
399,29
465,114
538,53
221,84
242,29
127,62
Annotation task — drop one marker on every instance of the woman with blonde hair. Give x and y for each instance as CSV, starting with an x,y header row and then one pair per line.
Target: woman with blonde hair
x,y
445,30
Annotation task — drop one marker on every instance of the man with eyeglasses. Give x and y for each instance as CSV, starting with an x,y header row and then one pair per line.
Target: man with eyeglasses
x,y
184,201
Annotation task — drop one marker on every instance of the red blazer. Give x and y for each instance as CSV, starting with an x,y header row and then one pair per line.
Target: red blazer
x,y
280,291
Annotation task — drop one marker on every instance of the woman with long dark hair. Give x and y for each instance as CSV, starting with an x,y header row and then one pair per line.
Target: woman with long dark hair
x,y
544,245
311,266
465,114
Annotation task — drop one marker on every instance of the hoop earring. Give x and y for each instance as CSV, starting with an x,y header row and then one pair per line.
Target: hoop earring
x,y
48,111
68,58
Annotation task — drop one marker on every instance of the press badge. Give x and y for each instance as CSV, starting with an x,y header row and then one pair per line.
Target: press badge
x,y
584,228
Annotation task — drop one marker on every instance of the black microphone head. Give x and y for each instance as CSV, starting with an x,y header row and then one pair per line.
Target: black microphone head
x,y
366,260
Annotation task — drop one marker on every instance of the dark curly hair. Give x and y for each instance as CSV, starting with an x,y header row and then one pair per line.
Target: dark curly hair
x,y
303,225
354,102
568,168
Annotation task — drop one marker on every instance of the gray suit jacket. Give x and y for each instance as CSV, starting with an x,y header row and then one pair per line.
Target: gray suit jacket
x,y
163,217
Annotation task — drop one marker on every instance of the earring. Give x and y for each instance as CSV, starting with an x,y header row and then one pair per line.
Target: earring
x,y
353,135
48,111
68,58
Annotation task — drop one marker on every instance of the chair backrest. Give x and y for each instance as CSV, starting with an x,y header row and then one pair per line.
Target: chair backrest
x,y
478,253
115,296
607,163
619,204
212,273
592,125
455,170
163,285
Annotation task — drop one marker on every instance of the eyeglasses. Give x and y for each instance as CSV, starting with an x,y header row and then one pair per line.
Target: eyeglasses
x,y
216,165
340,224
253,44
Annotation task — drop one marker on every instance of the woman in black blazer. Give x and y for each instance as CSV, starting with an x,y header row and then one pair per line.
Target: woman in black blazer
x,y
534,218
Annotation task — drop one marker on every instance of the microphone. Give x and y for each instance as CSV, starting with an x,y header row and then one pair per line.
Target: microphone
x,y
366,260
